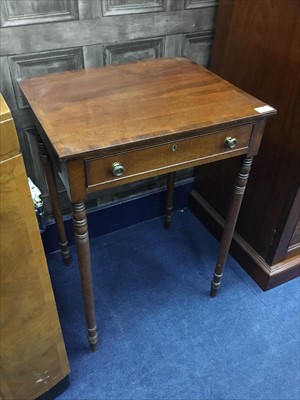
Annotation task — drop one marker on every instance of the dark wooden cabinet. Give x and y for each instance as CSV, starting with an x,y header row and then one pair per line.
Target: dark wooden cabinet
x,y
257,48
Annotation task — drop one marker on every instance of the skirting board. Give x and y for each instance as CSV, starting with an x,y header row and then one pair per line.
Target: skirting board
x,y
265,275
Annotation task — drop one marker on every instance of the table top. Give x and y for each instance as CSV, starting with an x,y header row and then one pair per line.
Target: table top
x,y
92,110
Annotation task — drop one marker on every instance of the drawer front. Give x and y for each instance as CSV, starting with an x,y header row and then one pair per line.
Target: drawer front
x,y
179,154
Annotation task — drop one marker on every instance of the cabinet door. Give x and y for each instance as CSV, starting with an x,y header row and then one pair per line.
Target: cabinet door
x,y
33,356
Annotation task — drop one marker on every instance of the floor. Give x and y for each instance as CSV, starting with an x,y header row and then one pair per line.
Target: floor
x,y
161,335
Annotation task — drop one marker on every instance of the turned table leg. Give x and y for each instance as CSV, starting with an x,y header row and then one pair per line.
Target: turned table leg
x,y
53,192
232,215
169,203
83,254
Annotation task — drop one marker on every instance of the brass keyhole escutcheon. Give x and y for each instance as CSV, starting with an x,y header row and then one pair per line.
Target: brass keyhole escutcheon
x,y
174,147
230,142
117,169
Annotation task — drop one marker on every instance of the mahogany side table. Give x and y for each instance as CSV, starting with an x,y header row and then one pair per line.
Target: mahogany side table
x,y
109,126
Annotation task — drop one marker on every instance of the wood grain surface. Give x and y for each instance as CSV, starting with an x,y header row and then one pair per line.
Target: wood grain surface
x,y
164,158
9,145
32,356
152,116
87,111
257,48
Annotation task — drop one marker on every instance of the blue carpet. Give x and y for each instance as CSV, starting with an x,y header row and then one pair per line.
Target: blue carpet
x,y
161,335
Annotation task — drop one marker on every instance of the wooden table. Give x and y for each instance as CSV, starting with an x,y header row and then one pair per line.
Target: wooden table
x,y
105,127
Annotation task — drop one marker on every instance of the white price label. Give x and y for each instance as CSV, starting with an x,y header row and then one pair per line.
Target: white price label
x,y
264,109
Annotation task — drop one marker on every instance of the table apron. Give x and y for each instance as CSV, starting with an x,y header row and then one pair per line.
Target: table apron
x,y
168,157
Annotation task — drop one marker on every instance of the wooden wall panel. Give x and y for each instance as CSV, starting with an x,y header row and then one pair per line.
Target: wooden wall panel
x,y
24,12
35,64
173,45
49,36
122,53
7,89
121,7
42,37
198,47
93,55
199,3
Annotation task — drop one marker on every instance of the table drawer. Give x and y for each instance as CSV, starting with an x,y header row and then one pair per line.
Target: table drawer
x,y
142,163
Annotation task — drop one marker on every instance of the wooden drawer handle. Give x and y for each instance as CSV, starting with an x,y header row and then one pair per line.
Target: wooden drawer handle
x,y
117,169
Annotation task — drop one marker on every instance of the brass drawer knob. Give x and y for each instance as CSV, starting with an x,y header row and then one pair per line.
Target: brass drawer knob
x,y
117,169
230,142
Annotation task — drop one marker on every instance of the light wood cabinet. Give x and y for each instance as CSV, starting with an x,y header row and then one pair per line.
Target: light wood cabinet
x,y
33,355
